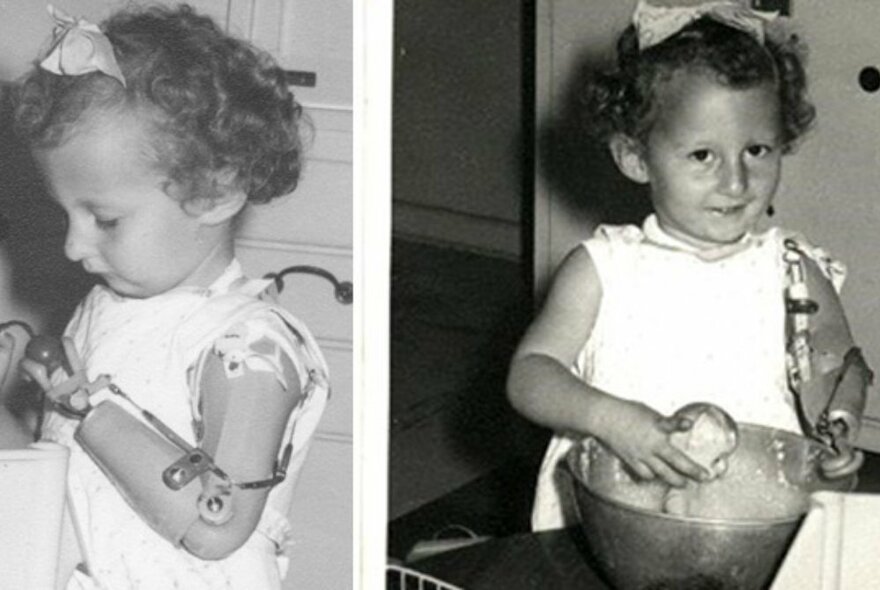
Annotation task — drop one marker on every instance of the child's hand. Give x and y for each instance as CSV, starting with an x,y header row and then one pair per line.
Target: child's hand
x,y
640,437
13,341
711,437
14,433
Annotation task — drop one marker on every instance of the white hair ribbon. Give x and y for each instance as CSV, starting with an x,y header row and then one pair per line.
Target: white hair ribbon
x,y
79,47
655,24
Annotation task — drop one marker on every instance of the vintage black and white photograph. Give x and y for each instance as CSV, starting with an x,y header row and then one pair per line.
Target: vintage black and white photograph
x,y
634,319
596,307
176,259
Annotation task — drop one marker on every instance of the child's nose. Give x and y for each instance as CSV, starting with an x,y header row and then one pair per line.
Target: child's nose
x,y
733,177
75,243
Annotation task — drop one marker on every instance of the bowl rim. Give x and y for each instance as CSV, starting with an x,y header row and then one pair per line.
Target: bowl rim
x,y
579,485
718,522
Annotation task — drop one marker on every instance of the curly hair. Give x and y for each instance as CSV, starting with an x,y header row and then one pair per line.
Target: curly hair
x,y
624,99
220,108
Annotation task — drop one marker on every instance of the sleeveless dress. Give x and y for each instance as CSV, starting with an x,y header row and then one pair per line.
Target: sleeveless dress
x,y
675,326
153,349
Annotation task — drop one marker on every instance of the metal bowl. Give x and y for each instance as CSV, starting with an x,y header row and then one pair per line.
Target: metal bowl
x,y
737,528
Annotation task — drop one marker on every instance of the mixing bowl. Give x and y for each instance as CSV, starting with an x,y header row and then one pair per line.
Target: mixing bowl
x,y
735,532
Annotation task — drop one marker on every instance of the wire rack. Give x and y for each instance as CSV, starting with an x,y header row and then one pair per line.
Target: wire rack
x,y
398,577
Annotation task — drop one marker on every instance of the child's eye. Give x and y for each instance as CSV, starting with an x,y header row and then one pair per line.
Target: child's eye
x,y
759,151
106,224
701,156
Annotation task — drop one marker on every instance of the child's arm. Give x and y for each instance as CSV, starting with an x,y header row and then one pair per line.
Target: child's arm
x,y
542,387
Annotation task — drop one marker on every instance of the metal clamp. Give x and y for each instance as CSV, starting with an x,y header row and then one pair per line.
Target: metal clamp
x,y
343,290
799,307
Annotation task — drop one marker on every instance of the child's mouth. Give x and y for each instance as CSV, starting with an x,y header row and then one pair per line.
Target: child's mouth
x,y
725,211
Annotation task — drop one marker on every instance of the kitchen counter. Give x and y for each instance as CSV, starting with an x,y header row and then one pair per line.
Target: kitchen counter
x,y
550,560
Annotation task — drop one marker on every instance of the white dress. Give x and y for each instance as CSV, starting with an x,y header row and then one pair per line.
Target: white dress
x,y
153,350
676,326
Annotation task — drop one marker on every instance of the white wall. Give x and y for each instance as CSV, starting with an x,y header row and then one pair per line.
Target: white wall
x,y
569,32
457,123
313,226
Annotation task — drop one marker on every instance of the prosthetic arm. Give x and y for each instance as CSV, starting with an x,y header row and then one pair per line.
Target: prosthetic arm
x,y
175,486
826,371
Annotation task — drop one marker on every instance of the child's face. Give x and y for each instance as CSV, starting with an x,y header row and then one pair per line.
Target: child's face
x,y
122,226
713,158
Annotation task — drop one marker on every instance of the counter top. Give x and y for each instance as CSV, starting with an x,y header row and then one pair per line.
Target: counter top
x,y
551,560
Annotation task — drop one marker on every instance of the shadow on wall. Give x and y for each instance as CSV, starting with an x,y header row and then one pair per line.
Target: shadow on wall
x,y
585,183
578,170
485,423
32,235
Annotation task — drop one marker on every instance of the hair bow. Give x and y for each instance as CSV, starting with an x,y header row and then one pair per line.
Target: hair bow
x,y
79,47
655,24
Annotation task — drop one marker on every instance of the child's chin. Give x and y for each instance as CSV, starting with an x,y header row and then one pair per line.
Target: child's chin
x,y
728,240
124,289
724,238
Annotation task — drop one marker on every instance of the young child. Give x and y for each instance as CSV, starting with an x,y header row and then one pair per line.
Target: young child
x,y
187,392
691,306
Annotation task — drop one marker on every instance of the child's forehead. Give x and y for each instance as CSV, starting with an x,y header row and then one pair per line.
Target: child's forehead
x,y
117,139
101,157
683,79
686,89
692,102
677,3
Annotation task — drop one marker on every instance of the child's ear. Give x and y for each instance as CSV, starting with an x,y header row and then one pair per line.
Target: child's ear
x,y
221,208
628,154
222,205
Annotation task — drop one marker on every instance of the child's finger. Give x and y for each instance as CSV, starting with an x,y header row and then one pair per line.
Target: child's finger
x,y
37,372
7,350
641,470
13,335
7,346
7,341
683,464
666,473
675,423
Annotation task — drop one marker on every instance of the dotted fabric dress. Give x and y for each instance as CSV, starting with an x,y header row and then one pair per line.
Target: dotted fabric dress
x,y
677,326
153,349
